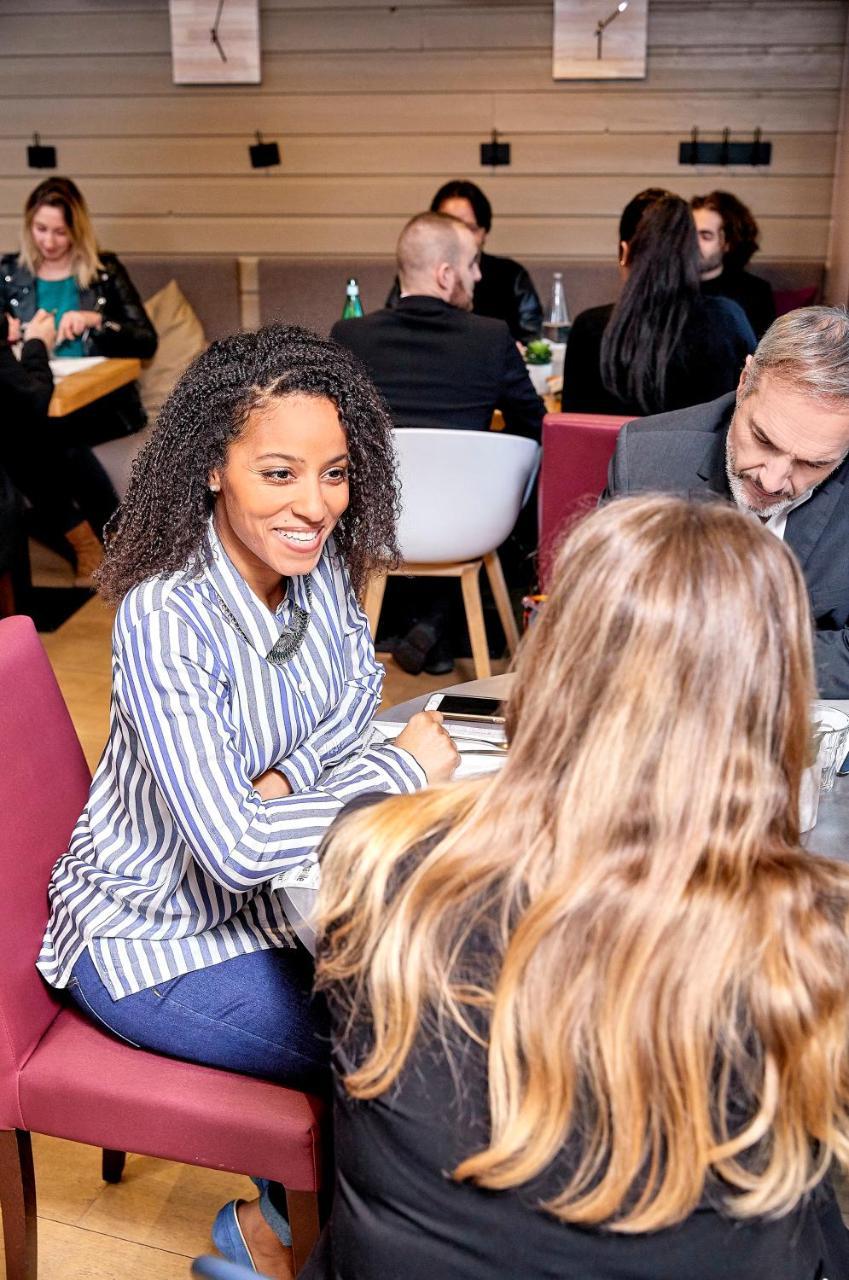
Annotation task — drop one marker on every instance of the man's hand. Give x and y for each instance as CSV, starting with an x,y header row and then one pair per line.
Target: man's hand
x,y
272,785
429,744
13,332
43,327
75,323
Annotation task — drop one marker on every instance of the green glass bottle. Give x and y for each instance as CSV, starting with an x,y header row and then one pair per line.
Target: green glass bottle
x,y
353,308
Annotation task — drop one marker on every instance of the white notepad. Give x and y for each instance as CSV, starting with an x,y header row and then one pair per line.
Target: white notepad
x,y
63,365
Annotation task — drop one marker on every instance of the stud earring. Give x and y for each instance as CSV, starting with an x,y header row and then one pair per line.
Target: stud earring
x,y
215,488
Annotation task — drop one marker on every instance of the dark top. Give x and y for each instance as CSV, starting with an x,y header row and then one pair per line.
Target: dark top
x,y
26,385
505,292
126,330
397,1215
750,292
439,366
684,453
705,364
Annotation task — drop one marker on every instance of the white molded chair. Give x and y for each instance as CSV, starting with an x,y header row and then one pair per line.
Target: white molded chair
x,y
461,494
117,457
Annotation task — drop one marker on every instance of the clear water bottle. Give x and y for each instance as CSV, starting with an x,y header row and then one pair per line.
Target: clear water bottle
x,y
557,324
353,306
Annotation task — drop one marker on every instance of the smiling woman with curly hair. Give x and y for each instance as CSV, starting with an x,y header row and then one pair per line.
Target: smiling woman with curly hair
x,y
162,524
244,680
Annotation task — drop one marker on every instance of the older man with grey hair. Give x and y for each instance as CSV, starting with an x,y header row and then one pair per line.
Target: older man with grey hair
x,y
777,448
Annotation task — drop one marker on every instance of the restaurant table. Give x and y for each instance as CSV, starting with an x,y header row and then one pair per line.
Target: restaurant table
x,y
75,390
830,835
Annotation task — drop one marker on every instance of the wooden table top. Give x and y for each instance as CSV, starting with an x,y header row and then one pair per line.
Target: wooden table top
x,y
78,389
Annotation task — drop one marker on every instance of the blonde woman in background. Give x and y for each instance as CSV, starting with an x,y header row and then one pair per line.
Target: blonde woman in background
x,y
591,1014
97,312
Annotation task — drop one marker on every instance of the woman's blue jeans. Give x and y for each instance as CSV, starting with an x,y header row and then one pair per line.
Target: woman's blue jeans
x,y
254,1014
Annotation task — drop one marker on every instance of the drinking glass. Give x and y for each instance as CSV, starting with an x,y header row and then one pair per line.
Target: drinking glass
x,y
831,726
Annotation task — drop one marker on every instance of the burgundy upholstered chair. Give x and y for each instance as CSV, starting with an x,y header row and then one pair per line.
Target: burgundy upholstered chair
x,y
59,1074
576,448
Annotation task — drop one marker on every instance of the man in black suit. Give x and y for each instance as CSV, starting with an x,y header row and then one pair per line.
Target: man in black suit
x,y
777,448
437,364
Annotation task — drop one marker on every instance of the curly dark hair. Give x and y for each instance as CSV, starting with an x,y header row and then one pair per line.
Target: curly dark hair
x,y
739,227
160,526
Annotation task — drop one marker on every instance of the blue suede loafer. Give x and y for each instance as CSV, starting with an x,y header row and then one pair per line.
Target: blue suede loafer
x,y
227,1236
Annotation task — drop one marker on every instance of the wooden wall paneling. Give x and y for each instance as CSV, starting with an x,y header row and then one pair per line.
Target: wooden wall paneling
x,y
31,29
490,71
579,154
616,109
35,35
375,103
269,195
606,111
584,155
241,114
320,235
799,237
837,275
756,25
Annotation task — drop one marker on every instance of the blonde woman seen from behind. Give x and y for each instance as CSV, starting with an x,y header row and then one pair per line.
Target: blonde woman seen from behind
x,y
591,1014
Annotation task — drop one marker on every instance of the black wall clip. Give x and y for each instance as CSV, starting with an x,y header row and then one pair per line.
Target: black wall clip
x,y
495,152
725,152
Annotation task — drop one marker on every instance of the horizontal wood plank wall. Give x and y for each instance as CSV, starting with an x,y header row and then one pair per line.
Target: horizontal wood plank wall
x,y
374,105
837,280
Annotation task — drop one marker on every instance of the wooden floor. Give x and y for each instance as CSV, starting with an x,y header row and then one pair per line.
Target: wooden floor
x,y
158,1218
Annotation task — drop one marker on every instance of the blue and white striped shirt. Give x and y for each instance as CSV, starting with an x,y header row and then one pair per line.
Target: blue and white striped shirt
x,y
169,864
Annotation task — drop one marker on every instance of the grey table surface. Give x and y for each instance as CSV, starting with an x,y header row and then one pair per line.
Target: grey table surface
x,y
830,836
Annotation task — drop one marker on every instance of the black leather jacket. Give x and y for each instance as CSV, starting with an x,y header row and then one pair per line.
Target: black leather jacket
x,y
506,292
126,329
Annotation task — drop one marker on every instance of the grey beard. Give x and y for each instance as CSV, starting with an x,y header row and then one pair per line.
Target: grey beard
x,y
738,493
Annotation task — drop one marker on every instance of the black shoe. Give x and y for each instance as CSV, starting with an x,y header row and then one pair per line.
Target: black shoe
x,y
411,652
440,660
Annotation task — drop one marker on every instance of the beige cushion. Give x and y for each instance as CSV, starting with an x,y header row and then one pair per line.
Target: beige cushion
x,y
181,338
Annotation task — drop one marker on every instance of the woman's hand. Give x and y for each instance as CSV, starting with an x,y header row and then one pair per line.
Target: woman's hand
x,y
429,744
272,785
14,331
75,323
43,327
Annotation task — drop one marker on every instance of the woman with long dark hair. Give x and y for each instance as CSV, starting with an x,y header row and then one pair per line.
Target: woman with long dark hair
x,y
662,345
591,1013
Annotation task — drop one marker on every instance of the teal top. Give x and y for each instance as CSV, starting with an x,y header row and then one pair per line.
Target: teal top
x,y
60,296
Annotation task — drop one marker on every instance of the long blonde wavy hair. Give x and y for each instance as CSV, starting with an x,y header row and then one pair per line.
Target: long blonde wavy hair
x,y
63,194
667,955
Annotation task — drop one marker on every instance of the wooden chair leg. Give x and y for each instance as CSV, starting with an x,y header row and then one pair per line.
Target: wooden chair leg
x,y
112,1165
470,582
502,600
17,1201
373,601
302,1210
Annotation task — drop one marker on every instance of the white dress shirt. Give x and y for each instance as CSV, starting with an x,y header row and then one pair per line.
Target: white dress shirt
x,y
777,524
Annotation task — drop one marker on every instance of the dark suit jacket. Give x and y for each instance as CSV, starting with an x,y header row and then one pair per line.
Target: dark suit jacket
x,y
684,452
438,366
